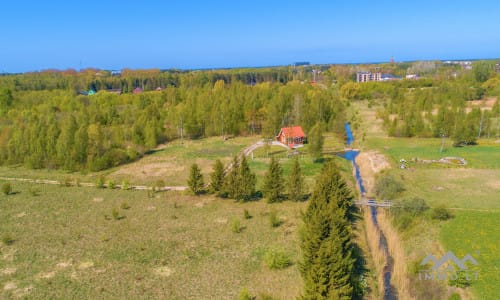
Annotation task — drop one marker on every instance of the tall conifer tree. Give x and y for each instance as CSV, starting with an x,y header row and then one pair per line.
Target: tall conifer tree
x,y
273,182
327,264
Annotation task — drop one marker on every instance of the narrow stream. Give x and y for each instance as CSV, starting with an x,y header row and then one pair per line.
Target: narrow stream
x,y
389,266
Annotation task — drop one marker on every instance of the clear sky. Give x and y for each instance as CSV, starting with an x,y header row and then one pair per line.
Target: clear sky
x,y
221,33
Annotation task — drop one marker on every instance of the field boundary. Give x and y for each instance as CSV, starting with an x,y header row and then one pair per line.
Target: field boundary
x,y
89,184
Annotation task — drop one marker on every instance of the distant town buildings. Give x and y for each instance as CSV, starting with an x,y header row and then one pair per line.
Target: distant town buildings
x,y
368,76
376,76
301,63
465,64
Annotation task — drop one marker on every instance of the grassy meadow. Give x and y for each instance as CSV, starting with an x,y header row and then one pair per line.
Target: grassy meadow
x,y
476,233
471,192
67,242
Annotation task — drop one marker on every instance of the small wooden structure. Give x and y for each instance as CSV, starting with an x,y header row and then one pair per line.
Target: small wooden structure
x,y
292,136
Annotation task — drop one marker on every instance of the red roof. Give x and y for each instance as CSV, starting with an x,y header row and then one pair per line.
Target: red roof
x,y
294,131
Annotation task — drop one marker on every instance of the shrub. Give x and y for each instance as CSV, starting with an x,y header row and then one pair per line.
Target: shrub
x,y
100,182
111,184
7,239
274,219
277,259
245,295
460,280
247,214
455,296
387,187
125,184
441,213
266,297
236,226
66,182
33,192
116,214
6,188
159,184
413,207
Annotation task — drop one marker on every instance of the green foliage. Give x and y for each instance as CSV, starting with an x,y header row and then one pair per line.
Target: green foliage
x,y
387,187
217,177
441,213
483,70
111,184
273,182
6,188
316,141
326,239
34,192
236,226
246,214
5,100
277,259
414,206
245,295
274,220
240,182
50,126
115,213
195,181
100,182
460,280
7,239
159,184
247,180
295,183
66,182
455,296
125,184
231,185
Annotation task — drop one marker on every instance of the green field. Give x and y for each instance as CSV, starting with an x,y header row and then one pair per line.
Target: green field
x,y
477,234
485,155
66,244
472,193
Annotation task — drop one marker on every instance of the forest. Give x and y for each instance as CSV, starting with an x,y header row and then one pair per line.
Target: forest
x,y
46,122
49,120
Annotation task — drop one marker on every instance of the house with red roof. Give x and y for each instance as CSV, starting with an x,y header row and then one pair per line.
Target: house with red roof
x,y
292,136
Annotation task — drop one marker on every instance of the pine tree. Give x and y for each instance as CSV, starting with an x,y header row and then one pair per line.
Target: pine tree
x,y
327,264
195,181
273,182
247,181
295,182
217,177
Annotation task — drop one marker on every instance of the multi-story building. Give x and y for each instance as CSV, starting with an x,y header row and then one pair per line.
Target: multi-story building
x,y
368,76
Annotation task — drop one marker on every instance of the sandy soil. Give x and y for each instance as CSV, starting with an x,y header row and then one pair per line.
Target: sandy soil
x,y
370,164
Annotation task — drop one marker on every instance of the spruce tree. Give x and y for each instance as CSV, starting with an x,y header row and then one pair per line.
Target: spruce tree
x,y
273,182
327,263
217,177
195,181
247,181
231,186
295,182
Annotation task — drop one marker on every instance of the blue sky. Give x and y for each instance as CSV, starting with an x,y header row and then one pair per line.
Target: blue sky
x,y
206,34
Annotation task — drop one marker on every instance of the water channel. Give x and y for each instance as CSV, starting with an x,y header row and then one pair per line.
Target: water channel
x,y
351,155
